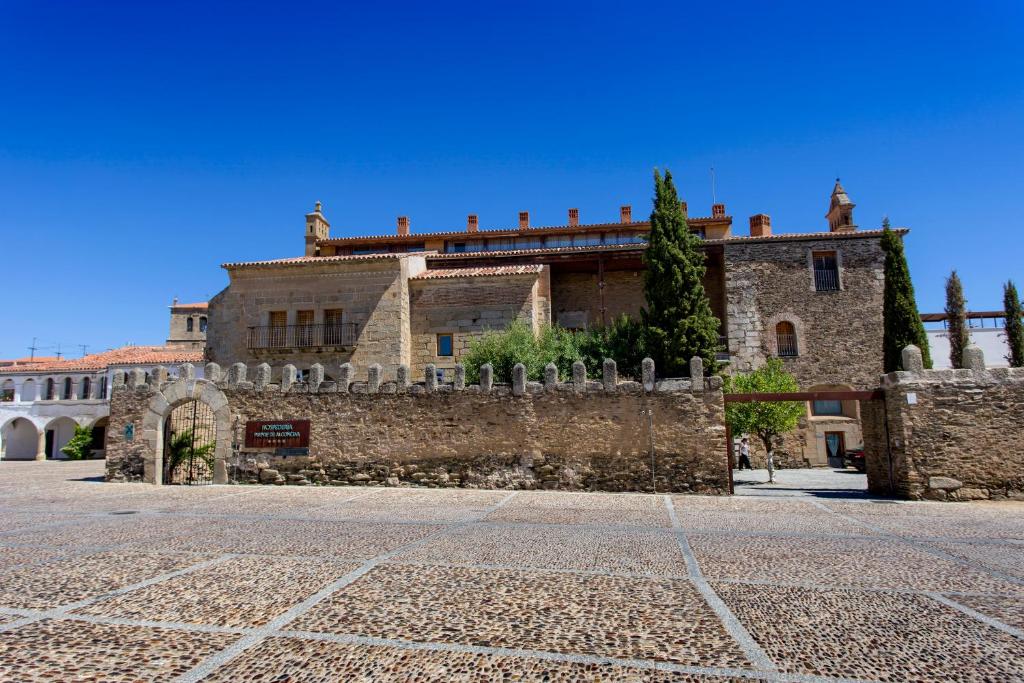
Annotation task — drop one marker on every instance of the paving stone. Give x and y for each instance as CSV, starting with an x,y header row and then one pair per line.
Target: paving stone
x,y
838,561
575,508
1009,610
71,579
648,618
1007,558
880,636
310,661
641,551
245,591
66,650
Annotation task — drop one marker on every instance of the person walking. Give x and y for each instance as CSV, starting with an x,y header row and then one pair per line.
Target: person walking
x,y
745,454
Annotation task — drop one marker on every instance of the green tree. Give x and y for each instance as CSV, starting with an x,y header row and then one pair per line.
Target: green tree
x,y
517,343
1014,333
80,445
956,320
622,341
182,449
764,419
678,322
901,323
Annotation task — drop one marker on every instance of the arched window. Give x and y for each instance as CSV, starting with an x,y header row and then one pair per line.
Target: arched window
x,y
68,387
86,387
188,325
202,324
50,389
785,338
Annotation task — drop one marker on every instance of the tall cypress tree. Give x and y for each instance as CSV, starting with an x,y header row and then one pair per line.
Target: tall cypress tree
x,y
956,320
1014,331
901,323
678,322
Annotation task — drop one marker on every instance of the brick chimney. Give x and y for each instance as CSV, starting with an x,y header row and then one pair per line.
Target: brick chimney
x,y
760,225
626,214
682,205
718,210
472,223
574,217
403,225
524,220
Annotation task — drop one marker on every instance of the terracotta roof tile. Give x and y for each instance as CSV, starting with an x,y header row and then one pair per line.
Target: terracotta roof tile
x,y
300,260
487,271
126,355
198,306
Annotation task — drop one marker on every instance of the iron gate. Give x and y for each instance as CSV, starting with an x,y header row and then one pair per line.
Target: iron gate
x,y
190,442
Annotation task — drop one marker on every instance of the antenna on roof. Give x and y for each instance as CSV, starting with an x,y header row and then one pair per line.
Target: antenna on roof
x,y
59,354
32,349
83,347
714,199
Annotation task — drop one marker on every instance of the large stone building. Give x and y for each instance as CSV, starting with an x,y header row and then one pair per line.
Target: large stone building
x,y
813,299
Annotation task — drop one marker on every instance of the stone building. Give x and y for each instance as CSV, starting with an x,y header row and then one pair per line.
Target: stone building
x,y
813,299
188,326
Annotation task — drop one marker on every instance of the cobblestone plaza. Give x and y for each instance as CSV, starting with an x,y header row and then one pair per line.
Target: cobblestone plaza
x,y
123,582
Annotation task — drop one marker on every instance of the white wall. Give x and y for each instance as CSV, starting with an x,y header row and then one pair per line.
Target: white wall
x,y
991,340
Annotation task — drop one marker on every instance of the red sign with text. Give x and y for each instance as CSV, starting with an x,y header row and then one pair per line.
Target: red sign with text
x,y
277,434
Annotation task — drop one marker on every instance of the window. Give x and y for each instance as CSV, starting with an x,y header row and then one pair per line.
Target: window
x,y
50,389
103,386
827,407
444,345
304,329
188,325
202,324
86,387
7,393
278,328
68,388
332,326
826,271
785,339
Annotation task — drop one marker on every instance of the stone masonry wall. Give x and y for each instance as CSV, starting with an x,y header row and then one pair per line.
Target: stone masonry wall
x,y
839,333
466,307
953,434
580,435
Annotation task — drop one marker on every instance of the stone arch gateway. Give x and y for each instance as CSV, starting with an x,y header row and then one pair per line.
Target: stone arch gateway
x,y
159,409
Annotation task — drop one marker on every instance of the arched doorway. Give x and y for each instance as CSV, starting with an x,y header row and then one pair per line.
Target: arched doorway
x,y
19,439
190,443
58,432
99,437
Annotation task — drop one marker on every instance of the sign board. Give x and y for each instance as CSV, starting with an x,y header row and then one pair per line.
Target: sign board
x,y
912,398
277,434
129,431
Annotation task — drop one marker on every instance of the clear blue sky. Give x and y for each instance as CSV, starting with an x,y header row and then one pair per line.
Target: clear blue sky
x,y
143,144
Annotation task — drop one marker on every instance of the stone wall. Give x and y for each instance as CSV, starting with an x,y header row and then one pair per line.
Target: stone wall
x,y
373,294
953,434
465,307
839,333
576,299
578,435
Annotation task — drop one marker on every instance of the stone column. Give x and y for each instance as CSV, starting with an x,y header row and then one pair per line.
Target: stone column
x,y
262,378
610,374
213,372
287,377
460,377
486,377
187,371
402,377
345,373
647,370
697,373
550,376
911,359
430,377
41,446
974,358
316,377
518,379
374,375
579,376
236,373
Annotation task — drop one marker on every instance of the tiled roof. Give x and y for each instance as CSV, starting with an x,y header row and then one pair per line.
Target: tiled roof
x,y
198,306
300,260
491,232
794,236
28,360
126,355
487,271
543,250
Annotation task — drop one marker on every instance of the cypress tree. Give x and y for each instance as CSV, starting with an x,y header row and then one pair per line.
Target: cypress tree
x,y
678,322
901,322
1014,333
956,320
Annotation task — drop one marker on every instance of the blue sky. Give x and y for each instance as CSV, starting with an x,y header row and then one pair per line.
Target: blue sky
x,y
143,144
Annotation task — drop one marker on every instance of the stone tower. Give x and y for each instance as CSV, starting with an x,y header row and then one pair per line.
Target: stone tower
x,y
840,211
317,228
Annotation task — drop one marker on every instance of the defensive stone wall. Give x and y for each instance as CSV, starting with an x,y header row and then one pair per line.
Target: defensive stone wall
x,y
663,436
952,434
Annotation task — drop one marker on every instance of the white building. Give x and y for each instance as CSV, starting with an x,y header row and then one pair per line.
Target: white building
x,y
987,330
43,400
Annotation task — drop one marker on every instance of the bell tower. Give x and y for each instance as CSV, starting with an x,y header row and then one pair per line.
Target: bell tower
x,y
317,228
840,211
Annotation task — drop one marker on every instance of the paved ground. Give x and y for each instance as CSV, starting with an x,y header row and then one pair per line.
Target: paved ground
x,y
818,482
132,583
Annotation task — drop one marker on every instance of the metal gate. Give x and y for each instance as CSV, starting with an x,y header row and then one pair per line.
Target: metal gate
x,y
190,442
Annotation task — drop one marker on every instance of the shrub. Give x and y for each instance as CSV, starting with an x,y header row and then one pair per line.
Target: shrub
x,y
80,445
517,344
622,341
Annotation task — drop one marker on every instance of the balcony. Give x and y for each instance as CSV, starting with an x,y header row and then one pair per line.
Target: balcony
x,y
826,280
301,336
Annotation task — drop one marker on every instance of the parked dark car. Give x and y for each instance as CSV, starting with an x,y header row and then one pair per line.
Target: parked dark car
x,y
855,459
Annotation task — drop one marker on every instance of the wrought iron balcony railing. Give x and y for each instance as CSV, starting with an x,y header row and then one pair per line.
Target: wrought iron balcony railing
x,y
301,336
787,345
826,280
